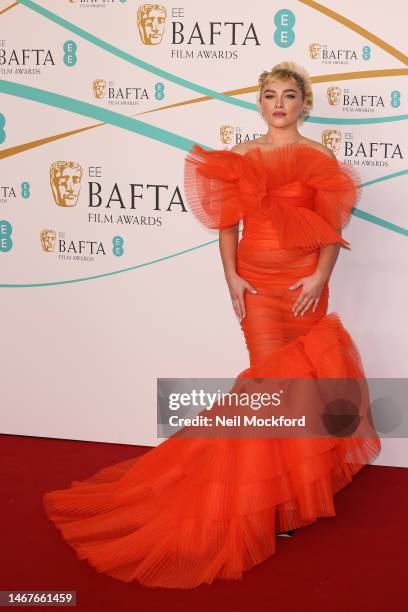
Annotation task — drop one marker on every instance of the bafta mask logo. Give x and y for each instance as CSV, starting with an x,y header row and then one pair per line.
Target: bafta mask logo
x,y
48,237
99,88
333,95
151,19
65,179
332,138
314,50
226,133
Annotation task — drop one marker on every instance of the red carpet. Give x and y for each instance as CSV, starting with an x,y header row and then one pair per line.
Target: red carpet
x,y
353,561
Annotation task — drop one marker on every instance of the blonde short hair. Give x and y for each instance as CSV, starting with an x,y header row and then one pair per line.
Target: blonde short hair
x,y
288,70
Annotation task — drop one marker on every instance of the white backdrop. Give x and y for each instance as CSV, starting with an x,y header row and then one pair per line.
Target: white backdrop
x,y
83,340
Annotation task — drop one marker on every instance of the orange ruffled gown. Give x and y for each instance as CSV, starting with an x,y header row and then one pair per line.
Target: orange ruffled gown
x,y
190,511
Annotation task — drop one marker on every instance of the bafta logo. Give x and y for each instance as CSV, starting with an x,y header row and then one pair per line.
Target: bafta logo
x,y
333,95
48,237
226,133
314,50
99,88
332,138
151,19
65,179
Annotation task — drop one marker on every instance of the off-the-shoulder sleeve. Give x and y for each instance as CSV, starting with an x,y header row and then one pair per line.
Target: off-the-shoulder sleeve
x,y
334,192
337,186
221,186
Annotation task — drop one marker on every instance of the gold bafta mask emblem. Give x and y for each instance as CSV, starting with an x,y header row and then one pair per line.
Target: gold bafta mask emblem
x,y
333,95
314,50
99,88
226,133
48,237
65,179
151,19
332,139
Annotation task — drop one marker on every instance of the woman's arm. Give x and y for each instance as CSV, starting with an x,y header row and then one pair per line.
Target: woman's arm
x,y
228,242
327,259
312,286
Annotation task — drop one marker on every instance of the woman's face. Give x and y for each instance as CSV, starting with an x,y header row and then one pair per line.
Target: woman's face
x,y
282,97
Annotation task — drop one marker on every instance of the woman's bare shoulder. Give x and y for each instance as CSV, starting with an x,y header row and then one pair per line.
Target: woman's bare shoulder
x,y
243,147
240,148
319,146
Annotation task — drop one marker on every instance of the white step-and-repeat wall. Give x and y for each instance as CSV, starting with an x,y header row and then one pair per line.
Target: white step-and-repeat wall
x,y
107,280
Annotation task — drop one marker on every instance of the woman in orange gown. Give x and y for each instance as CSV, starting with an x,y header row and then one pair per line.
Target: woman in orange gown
x,y
193,510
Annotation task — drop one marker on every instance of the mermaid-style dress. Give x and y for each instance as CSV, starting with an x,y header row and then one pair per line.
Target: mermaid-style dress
x,y
193,510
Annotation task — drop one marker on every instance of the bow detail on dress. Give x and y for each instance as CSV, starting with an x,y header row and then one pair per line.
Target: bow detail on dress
x,y
308,195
